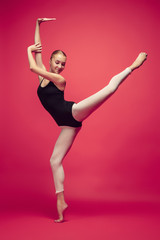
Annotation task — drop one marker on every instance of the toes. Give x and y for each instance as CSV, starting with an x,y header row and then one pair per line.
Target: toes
x,y
144,53
60,220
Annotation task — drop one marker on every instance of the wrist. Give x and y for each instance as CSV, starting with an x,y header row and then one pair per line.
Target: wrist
x,y
30,49
38,22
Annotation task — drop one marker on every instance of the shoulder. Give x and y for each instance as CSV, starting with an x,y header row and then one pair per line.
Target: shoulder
x,y
44,82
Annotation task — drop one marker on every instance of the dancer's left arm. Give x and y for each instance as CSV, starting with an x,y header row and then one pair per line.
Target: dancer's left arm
x,y
55,78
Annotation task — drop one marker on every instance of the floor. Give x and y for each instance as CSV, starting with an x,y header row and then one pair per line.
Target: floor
x,y
84,220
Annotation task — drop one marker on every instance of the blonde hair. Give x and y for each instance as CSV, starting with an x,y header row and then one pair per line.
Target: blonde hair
x,y
56,52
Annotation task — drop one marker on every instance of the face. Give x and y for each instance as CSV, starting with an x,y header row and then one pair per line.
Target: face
x,y
57,63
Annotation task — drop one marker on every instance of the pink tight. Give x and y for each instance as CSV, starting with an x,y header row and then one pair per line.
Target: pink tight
x,y
80,112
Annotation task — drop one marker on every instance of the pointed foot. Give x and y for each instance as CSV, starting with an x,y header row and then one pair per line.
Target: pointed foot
x,y
139,61
61,211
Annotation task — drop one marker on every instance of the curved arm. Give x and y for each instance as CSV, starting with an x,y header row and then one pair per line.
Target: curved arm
x,y
57,79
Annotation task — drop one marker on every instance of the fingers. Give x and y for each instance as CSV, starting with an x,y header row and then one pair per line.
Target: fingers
x,y
37,51
38,44
38,47
49,19
45,19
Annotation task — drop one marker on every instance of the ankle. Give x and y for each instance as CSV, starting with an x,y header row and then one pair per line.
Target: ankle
x,y
60,196
132,67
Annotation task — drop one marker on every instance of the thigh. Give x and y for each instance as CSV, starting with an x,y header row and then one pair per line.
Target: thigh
x,y
64,141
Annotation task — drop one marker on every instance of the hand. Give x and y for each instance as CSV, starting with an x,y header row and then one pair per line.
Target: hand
x,y
40,20
36,48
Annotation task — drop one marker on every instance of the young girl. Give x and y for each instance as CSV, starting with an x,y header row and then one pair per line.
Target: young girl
x,y
68,115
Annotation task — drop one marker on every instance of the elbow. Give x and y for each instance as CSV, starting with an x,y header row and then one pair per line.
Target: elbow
x,y
31,68
63,82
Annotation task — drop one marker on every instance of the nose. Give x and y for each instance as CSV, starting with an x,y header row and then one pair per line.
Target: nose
x,y
60,66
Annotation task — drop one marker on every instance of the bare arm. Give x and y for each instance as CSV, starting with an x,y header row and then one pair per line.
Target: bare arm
x,y
55,78
37,39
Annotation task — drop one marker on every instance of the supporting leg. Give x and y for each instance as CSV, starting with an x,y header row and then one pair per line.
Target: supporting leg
x,y
84,108
62,146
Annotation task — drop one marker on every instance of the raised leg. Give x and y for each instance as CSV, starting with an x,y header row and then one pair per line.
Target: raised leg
x,y
84,108
62,146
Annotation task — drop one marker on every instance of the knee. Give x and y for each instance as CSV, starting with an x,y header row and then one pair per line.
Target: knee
x,y
112,87
75,111
54,162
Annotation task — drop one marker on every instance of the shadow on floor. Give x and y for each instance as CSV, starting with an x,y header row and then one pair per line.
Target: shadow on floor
x,y
43,205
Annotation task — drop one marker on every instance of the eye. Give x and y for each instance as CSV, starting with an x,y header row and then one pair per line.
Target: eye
x,y
63,64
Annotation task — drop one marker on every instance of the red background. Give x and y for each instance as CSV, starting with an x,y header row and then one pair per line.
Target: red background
x,y
114,162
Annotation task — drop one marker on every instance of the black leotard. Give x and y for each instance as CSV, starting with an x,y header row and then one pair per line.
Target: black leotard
x,y
53,101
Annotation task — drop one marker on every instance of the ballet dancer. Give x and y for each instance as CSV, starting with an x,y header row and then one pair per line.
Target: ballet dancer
x,y
68,115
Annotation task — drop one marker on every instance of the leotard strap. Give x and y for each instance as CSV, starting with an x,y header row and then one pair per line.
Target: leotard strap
x,y
41,81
